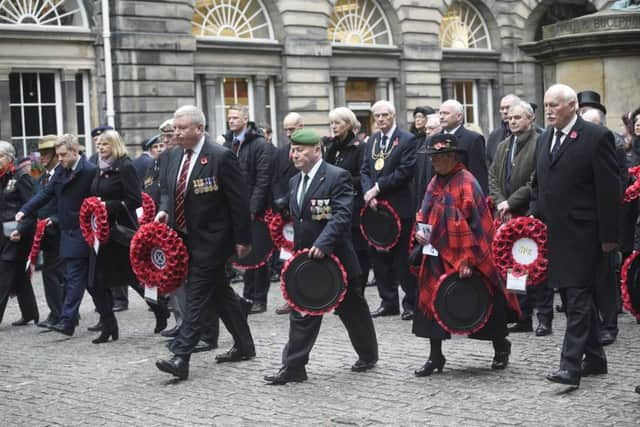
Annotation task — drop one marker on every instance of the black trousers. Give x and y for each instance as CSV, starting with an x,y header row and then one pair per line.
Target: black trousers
x,y
120,295
392,268
256,284
53,280
207,289
605,292
582,334
14,278
539,297
355,315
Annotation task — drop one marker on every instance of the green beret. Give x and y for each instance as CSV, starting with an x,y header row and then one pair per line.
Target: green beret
x,y
305,137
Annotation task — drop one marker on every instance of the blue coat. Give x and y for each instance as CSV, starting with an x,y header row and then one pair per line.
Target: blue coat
x,y
69,193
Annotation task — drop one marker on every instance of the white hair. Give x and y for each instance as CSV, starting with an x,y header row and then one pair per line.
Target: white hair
x,y
457,107
295,118
567,93
194,113
8,150
345,115
526,107
384,104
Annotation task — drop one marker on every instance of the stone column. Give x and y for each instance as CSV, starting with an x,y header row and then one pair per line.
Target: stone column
x,y
483,105
382,86
340,92
69,115
260,100
447,89
5,111
210,95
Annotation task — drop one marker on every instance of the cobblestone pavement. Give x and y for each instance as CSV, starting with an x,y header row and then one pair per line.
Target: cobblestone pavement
x,y
47,379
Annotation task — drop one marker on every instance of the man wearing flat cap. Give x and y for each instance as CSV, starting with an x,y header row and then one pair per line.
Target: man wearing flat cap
x,y
320,201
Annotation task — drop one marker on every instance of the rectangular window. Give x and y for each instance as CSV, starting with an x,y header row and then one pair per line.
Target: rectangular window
x,y
82,109
35,107
465,92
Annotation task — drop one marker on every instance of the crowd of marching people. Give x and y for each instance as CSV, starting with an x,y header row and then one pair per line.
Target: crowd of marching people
x,y
431,210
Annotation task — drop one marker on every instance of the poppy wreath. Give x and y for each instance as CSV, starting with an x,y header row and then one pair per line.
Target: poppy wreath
x,y
624,284
507,235
276,230
94,221
267,257
633,191
396,219
159,257
37,240
293,305
148,209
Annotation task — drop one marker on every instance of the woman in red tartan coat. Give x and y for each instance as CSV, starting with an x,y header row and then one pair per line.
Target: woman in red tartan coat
x,y
462,229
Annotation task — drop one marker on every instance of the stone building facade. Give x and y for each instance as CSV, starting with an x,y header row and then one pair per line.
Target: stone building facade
x,y
275,56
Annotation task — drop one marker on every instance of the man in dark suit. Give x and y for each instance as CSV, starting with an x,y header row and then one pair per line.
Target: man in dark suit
x,y
424,168
255,156
502,131
69,186
205,198
282,172
577,193
452,121
324,233
387,174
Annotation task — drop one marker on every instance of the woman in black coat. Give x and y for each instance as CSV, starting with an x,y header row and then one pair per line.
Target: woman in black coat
x,y
345,150
117,185
16,188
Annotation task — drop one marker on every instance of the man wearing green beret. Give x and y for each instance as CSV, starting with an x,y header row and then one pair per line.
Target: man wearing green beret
x,y
320,201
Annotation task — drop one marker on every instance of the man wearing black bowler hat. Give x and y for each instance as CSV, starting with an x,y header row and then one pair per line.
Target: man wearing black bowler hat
x,y
320,200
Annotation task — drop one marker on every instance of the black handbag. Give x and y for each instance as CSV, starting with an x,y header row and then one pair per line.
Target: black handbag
x,y
122,234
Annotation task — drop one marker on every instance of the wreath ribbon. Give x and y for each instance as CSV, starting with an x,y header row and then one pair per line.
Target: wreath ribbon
x,y
624,285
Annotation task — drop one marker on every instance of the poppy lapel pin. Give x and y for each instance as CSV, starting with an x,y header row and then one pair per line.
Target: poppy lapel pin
x,y
573,134
395,142
204,161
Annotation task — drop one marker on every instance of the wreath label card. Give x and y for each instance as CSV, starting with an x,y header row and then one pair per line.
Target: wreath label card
x,y
151,294
517,284
285,254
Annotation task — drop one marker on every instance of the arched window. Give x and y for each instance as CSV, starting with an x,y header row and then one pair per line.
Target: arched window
x,y
462,27
231,20
359,22
35,14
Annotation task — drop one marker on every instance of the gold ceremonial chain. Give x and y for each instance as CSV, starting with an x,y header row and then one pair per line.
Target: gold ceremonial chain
x,y
382,155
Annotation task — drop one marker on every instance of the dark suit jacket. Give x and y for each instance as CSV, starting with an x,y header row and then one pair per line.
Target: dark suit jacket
x,y
15,190
255,158
395,179
476,162
332,235
217,219
283,170
577,196
495,138
142,163
424,172
69,193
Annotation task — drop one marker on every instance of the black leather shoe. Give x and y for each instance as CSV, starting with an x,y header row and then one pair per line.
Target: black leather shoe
x,y
431,365
170,333
119,307
407,315
258,307
543,329
501,358
607,338
361,365
95,328
525,326
23,322
63,329
285,375
177,366
235,355
204,346
590,369
383,311
564,376
47,323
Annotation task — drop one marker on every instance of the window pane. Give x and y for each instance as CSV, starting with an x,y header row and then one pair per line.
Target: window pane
x,y
32,145
14,88
16,122
80,119
30,87
31,121
47,88
49,120
17,144
79,87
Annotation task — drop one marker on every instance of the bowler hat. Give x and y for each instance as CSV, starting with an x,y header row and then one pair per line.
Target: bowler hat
x,y
425,111
441,143
589,98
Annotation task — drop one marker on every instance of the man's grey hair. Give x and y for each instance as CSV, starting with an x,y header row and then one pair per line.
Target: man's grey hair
x,y
567,93
194,113
457,107
384,104
7,149
594,115
510,96
68,140
295,118
526,107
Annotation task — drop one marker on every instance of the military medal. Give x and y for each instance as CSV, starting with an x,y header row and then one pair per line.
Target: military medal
x,y
379,165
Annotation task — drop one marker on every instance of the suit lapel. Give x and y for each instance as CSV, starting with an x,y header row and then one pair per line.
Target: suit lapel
x,y
197,168
569,140
314,184
174,166
296,206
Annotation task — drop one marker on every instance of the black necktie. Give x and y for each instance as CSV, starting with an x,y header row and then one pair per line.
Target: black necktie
x,y
383,145
303,192
235,145
556,145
